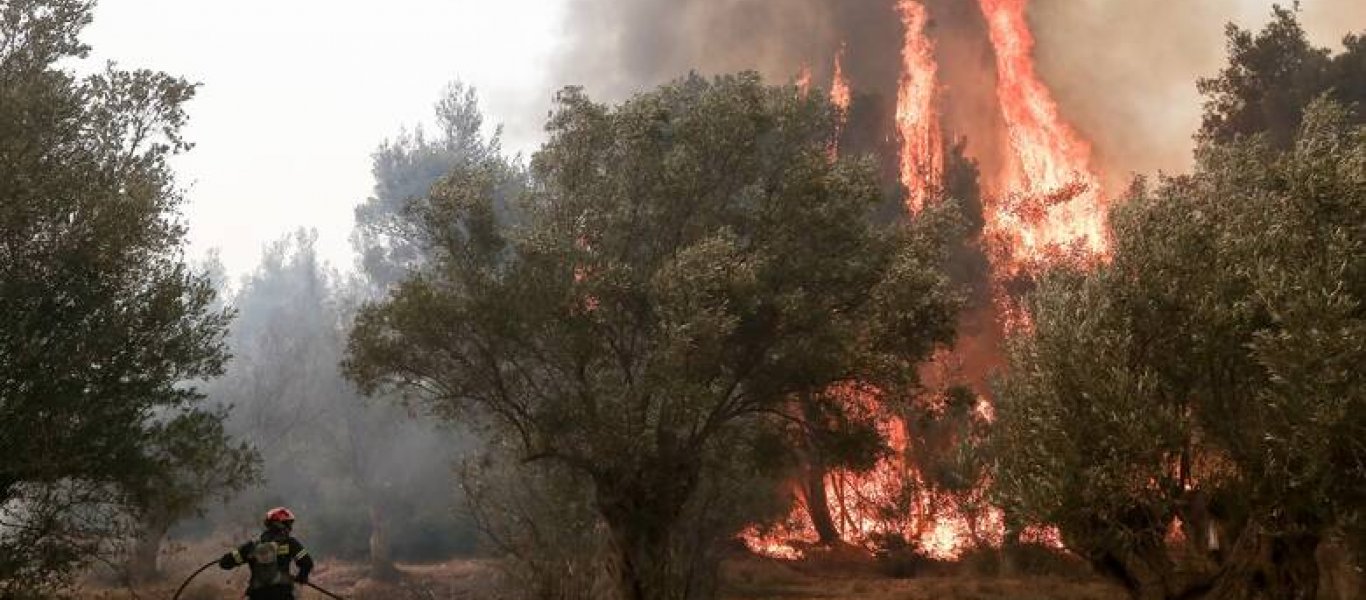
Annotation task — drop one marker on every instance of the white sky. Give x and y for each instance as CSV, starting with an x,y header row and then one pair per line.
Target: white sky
x,y
297,94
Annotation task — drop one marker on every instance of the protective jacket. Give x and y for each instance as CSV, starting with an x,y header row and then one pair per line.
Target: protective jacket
x,y
269,559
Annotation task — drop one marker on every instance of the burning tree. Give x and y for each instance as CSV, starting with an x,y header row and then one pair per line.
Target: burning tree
x,y
1208,379
683,265
1032,197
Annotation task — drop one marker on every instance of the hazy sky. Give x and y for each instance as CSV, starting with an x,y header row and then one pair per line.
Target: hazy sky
x,y
297,93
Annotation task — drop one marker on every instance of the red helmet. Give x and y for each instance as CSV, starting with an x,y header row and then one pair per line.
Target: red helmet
x,y
279,515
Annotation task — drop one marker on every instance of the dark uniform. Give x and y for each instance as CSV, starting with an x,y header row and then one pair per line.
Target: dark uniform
x,y
269,559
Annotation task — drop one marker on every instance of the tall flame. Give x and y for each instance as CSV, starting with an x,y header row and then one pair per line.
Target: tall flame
x,y
1050,163
1050,202
917,108
840,95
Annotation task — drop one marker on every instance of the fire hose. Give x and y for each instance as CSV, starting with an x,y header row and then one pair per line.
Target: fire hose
x,y
324,592
191,577
214,562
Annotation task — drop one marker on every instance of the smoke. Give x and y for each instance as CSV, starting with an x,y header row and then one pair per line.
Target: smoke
x,y
1123,71
616,48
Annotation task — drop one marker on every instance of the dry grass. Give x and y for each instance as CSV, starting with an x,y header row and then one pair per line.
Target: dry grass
x,y
930,588
761,579
746,578
455,579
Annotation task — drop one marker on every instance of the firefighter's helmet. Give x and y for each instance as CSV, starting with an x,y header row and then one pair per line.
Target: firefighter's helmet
x,y
279,517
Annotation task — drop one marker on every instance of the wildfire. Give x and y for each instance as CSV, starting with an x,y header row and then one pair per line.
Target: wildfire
x,y
1048,203
892,500
917,110
1054,199
803,81
840,95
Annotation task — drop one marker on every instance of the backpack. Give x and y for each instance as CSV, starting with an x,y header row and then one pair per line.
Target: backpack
x,y
265,565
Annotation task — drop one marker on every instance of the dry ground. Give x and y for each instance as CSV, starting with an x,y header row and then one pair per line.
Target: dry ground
x,y
456,580
761,579
745,579
833,573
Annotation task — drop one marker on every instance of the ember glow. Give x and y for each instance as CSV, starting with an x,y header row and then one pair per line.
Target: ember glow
x,y
891,500
917,109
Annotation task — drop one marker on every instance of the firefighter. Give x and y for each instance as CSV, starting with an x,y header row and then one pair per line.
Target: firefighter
x,y
269,558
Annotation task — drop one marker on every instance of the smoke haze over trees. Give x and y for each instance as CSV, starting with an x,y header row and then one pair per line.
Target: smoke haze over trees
x,y
380,479
1135,99
373,482
713,319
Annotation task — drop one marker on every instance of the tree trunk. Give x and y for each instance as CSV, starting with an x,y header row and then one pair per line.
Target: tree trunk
x,y
813,479
1339,579
1010,544
1143,564
817,504
1146,575
643,514
381,564
643,553
142,560
1281,567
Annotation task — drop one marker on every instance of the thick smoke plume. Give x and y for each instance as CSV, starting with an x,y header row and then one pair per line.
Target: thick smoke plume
x,y
1059,102
1123,71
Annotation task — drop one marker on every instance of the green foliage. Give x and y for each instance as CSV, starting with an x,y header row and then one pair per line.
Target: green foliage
x,y
347,465
1273,75
193,460
190,460
1208,372
405,169
1211,367
103,320
679,267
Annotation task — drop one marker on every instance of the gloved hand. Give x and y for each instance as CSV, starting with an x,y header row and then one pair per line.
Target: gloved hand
x,y
301,579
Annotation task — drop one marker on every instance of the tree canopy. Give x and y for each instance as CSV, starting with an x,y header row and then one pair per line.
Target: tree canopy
x,y
1273,75
1210,373
1189,413
405,169
680,266
103,320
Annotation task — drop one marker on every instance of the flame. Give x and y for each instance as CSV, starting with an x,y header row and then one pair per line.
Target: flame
x,y
803,81
840,94
770,545
917,110
1054,198
892,499
1050,205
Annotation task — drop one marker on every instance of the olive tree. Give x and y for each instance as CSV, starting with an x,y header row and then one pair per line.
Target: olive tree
x,y
680,266
1209,375
103,321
